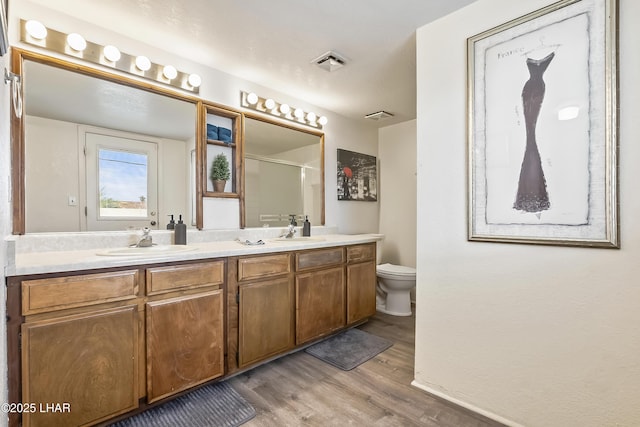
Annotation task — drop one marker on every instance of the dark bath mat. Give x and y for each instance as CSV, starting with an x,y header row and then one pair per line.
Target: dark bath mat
x,y
214,405
349,349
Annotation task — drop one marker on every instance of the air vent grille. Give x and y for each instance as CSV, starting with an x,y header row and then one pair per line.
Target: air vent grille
x,y
378,115
330,61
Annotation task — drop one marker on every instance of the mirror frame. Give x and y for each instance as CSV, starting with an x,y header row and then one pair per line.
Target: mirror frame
x,y
310,131
18,56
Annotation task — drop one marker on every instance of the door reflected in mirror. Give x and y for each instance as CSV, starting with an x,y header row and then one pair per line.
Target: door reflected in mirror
x,y
101,155
283,174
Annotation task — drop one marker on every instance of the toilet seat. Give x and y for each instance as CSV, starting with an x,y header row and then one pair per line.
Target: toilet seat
x,y
395,271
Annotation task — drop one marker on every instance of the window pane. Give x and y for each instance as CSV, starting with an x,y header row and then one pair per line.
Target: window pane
x,y
122,180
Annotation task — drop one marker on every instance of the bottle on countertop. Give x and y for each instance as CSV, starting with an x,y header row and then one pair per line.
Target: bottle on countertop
x,y
180,234
172,224
306,226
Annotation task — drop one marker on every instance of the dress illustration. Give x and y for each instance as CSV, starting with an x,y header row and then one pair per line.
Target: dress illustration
x,y
532,193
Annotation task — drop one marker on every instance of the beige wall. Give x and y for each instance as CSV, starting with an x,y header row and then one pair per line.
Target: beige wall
x,y
540,336
397,193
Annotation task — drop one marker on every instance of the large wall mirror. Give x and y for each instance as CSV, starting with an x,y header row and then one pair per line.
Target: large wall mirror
x,y
100,153
283,173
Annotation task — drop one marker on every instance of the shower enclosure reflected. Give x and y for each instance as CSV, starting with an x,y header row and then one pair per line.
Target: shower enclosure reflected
x,y
283,174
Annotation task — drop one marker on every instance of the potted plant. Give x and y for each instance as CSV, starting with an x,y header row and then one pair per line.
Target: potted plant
x,y
219,173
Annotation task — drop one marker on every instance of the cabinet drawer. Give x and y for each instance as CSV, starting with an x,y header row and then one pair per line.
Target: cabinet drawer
x,y
319,258
42,295
359,253
186,276
263,266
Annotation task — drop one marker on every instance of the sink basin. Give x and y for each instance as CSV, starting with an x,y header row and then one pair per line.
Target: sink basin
x,y
156,250
300,239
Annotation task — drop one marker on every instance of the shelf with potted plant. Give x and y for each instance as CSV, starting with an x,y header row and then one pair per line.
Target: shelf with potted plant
x,y
219,172
221,130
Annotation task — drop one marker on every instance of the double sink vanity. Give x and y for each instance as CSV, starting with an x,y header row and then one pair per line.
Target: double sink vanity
x,y
111,330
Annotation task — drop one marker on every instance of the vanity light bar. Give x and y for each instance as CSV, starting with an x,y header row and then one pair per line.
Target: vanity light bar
x,y
73,44
281,110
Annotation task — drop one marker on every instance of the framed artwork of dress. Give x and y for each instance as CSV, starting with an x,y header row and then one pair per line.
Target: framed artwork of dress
x,y
542,127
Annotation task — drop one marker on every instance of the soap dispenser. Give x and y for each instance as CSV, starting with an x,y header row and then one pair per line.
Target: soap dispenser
x,y
306,227
180,235
172,224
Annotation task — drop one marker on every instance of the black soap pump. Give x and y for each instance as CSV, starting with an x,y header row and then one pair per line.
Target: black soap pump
x,y
180,235
306,226
172,224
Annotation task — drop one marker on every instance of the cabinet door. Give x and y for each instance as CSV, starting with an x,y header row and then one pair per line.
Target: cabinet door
x,y
320,303
185,344
361,291
88,364
266,320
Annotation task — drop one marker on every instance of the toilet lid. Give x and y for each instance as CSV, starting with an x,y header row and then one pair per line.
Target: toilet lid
x,y
396,269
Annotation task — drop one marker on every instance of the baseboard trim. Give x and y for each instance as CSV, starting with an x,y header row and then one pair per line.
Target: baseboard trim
x,y
467,406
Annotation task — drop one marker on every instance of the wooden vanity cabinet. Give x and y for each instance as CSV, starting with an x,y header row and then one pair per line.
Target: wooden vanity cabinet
x,y
111,341
80,348
361,282
184,331
320,293
265,307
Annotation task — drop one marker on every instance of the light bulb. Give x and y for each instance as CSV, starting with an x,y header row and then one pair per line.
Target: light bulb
x,y
77,42
112,53
311,117
270,104
143,63
284,108
298,113
36,29
170,72
195,80
322,120
252,98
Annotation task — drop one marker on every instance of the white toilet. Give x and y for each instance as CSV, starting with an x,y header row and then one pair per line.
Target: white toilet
x,y
395,283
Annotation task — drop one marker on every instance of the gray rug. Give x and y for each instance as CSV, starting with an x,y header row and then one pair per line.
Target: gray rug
x,y
214,405
349,349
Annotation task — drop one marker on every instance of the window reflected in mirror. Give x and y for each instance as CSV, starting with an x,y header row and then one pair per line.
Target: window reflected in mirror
x,y
85,138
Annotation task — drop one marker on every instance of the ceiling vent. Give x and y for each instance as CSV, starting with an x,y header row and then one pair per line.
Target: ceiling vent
x,y
378,116
330,61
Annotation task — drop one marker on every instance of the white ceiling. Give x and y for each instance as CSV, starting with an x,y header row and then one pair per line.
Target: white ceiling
x,y
273,42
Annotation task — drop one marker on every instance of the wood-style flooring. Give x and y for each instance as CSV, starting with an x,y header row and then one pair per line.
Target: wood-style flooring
x,y
300,390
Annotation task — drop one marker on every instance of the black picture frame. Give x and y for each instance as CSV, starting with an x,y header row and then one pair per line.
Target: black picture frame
x,y
357,176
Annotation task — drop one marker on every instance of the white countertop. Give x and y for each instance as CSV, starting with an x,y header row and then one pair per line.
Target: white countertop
x,y
87,259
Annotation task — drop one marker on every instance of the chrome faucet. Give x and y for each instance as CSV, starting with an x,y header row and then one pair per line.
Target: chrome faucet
x,y
145,241
291,230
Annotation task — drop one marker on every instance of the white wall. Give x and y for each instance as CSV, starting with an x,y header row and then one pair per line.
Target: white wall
x,y
397,196
533,335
